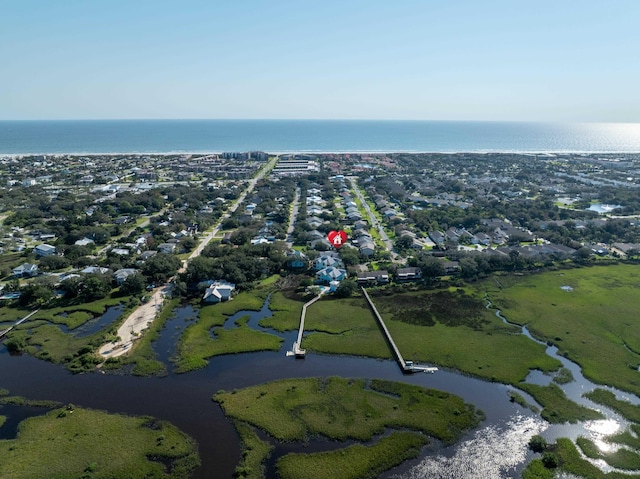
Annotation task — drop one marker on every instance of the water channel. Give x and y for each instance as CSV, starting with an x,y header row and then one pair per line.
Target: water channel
x,y
185,400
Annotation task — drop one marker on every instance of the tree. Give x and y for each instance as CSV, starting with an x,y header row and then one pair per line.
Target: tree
x,y
35,295
550,460
133,285
537,443
403,242
95,287
346,288
160,267
53,263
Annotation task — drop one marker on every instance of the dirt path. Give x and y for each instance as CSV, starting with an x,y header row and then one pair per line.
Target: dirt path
x,y
143,316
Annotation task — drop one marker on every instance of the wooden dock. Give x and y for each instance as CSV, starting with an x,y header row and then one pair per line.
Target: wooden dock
x,y
297,351
407,367
17,323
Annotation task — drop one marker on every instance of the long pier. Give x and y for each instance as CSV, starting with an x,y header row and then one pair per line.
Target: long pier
x,y
17,323
405,366
297,350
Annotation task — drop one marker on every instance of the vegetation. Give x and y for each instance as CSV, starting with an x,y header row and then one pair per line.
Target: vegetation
x,y
286,312
255,452
620,459
22,401
592,325
353,462
480,345
563,376
71,442
608,399
197,343
557,409
342,409
569,460
143,357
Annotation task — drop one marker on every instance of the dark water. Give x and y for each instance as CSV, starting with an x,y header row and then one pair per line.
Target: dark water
x,y
156,136
165,345
185,399
96,324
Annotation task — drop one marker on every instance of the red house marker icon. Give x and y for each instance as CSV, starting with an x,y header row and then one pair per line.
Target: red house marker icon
x,y
337,238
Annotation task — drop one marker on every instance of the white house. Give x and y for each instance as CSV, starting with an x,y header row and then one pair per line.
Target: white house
x,y
44,250
122,274
25,270
84,242
167,248
218,291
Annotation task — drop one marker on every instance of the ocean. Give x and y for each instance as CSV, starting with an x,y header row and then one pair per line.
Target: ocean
x,y
280,136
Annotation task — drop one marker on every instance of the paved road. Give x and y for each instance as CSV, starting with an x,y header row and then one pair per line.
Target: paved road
x,y
140,319
374,221
292,217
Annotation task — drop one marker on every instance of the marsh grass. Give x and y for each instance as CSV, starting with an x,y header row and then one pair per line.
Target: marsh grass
x,y
255,452
196,344
143,357
341,409
353,462
593,325
286,313
557,408
606,398
620,459
68,442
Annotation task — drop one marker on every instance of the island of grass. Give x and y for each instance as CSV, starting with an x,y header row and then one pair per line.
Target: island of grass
x,y
206,338
345,409
43,337
73,442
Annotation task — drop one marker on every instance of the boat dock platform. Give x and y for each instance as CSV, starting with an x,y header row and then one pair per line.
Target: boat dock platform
x,y
407,367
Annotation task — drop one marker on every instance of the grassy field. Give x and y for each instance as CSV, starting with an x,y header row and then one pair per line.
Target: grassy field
x,y
197,345
353,462
593,323
346,409
344,326
469,339
92,444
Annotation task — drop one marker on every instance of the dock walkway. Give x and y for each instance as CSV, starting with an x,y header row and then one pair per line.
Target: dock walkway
x,y
17,323
297,350
405,366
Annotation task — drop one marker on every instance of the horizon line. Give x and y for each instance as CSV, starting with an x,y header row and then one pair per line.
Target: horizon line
x,y
563,122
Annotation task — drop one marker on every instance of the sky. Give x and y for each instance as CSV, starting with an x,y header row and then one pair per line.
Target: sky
x,y
489,60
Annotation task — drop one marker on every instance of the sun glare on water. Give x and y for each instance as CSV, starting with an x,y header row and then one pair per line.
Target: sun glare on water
x,y
492,453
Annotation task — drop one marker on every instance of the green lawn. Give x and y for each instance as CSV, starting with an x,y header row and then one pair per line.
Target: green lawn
x,y
84,443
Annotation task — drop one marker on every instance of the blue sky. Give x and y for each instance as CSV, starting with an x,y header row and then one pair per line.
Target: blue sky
x,y
546,60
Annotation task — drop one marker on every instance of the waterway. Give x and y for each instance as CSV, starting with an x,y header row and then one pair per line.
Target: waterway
x,y
185,400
